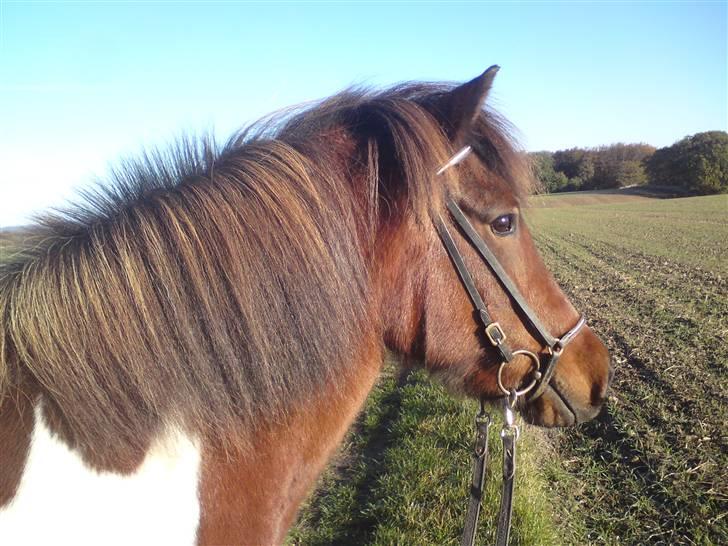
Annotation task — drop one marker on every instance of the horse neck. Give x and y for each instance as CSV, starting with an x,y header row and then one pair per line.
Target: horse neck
x,y
277,475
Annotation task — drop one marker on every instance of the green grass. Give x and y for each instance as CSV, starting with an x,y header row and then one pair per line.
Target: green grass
x,y
403,476
689,231
609,196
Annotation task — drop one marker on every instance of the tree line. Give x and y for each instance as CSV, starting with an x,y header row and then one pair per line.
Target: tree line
x,y
697,164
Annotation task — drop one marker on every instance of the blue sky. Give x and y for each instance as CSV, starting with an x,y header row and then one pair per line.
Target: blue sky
x,y
85,83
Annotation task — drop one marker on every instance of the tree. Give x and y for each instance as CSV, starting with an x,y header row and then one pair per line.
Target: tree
x,y
571,161
619,165
698,163
543,169
585,169
630,173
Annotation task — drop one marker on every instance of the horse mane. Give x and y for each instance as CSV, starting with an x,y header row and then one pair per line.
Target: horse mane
x,y
191,287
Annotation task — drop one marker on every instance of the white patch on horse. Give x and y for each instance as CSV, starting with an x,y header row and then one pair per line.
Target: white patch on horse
x,y
60,500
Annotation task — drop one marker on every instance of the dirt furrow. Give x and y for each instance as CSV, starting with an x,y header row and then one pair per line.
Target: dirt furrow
x,y
702,336
659,454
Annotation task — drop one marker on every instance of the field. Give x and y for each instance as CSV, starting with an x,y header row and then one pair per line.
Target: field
x,y
652,276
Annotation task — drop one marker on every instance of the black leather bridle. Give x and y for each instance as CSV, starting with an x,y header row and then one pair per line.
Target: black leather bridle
x,y
541,373
554,347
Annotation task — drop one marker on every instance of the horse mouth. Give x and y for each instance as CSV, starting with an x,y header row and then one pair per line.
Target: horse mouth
x,y
554,408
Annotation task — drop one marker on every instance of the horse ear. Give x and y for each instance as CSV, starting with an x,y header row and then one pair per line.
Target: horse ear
x,y
459,108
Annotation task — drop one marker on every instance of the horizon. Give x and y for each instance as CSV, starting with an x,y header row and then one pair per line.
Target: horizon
x,y
132,76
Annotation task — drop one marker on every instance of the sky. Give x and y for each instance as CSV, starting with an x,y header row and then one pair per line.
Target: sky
x,y
84,84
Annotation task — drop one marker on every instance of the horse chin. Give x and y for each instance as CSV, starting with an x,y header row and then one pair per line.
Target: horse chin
x,y
554,409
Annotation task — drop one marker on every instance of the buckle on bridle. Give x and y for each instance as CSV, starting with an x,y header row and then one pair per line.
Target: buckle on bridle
x,y
495,334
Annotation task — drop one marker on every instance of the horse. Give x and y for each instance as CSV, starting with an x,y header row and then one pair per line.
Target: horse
x,y
182,350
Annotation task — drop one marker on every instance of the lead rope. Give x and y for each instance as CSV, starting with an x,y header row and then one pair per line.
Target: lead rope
x,y
509,436
480,460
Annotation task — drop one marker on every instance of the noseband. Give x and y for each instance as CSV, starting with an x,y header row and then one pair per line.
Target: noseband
x,y
535,385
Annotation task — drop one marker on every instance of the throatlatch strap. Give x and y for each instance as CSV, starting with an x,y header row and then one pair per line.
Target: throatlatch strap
x,y
500,273
509,479
480,460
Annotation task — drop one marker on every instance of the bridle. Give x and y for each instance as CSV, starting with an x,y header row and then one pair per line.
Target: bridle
x,y
540,375
554,347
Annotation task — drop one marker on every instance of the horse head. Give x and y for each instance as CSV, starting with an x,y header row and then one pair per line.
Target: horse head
x,y
475,187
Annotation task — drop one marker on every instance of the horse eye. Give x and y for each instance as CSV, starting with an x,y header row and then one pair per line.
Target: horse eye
x,y
503,225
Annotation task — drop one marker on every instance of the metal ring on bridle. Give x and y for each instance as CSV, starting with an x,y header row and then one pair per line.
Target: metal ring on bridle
x,y
556,350
531,385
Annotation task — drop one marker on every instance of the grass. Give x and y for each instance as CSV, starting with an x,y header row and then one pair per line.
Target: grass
x,y
651,276
688,231
609,197
403,475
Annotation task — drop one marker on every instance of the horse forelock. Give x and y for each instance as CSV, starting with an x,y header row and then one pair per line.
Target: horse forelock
x,y
213,286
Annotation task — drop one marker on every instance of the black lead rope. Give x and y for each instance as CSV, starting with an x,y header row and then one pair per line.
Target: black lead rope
x,y
509,479
480,461
509,436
